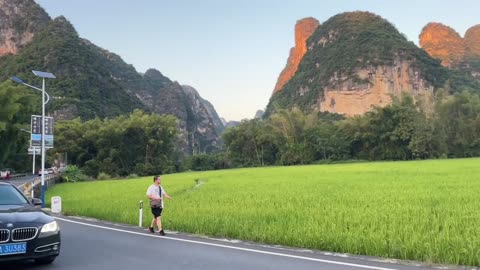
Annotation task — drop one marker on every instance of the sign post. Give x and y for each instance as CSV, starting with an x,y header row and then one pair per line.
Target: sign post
x,y
42,136
140,214
32,150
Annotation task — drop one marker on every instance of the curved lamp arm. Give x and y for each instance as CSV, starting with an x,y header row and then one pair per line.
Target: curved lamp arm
x,y
18,80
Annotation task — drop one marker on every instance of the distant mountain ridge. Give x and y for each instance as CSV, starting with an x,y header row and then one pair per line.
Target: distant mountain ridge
x,y
444,43
93,82
458,54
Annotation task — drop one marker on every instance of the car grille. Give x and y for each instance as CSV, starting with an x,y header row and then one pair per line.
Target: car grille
x,y
4,236
24,234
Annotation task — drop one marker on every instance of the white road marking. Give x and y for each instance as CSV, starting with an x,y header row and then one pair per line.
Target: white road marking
x,y
229,247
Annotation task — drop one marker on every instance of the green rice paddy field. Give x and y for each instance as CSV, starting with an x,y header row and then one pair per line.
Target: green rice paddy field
x,y
418,210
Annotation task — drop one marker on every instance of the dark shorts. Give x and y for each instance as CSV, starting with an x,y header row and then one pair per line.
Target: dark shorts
x,y
157,212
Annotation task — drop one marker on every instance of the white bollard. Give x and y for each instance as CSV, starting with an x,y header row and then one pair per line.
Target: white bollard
x,y
56,204
140,215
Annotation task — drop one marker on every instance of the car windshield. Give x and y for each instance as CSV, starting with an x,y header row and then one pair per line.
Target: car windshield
x,y
10,196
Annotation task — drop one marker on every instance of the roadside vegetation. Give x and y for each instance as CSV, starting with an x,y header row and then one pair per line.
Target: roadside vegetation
x,y
414,210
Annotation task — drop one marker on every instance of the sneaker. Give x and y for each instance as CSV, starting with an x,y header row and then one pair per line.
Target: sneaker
x,y
162,233
151,229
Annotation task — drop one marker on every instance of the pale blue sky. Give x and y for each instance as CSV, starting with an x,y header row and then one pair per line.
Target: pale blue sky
x,y
232,51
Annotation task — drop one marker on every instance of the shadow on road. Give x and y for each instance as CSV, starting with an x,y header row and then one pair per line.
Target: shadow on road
x,y
23,265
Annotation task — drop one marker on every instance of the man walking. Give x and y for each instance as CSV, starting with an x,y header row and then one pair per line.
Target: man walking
x,y
156,193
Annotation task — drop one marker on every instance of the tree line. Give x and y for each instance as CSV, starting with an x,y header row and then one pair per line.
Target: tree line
x,y
400,131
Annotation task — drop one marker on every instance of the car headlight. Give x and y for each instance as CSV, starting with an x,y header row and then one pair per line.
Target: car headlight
x,y
50,227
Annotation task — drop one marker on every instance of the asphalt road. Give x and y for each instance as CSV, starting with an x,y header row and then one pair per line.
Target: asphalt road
x,y
21,180
95,245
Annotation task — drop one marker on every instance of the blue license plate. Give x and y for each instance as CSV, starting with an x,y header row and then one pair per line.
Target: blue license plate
x,y
16,248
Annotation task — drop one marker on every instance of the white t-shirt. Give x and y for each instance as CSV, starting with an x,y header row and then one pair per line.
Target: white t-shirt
x,y
155,191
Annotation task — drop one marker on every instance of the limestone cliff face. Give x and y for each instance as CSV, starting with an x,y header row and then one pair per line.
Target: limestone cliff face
x,y
304,28
346,97
442,42
259,114
472,41
205,126
199,123
20,20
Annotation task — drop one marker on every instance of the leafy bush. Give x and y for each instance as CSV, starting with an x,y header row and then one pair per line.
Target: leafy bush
x,y
132,175
206,162
104,176
73,174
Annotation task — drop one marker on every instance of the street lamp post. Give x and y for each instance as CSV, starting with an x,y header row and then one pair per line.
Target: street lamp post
x,y
33,165
43,75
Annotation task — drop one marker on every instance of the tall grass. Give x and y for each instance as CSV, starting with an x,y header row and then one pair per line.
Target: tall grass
x,y
423,210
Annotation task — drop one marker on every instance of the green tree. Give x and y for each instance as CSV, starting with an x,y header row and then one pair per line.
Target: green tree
x,y
138,143
457,121
326,142
399,131
290,128
17,104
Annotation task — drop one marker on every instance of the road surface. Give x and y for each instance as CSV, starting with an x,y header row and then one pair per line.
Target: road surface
x,y
98,245
21,180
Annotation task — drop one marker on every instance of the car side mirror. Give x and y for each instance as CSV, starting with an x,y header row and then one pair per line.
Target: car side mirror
x,y
36,201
